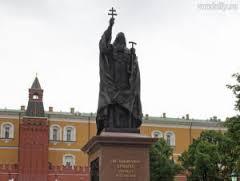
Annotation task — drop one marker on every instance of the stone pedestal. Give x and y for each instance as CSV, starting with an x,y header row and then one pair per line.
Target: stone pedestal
x,y
119,156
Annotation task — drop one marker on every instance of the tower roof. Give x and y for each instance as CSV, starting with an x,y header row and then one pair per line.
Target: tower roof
x,y
36,84
35,106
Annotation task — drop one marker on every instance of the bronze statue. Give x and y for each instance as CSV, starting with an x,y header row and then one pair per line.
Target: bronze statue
x,y
119,104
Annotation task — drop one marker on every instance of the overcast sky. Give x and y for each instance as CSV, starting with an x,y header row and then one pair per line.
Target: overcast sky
x,y
186,55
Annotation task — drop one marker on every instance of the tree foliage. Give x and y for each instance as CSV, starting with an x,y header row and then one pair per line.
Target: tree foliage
x,y
208,158
233,125
162,167
216,155
233,133
236,90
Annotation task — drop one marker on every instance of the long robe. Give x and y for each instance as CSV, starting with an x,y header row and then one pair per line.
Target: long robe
x,y
119,84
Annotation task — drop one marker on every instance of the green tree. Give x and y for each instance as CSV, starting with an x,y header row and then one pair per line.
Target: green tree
x,y
233,133
224,146
233,125
162,166
216,155
236,90
203,160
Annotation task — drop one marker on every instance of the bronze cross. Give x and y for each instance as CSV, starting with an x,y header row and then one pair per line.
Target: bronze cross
x,y
132,43
112,12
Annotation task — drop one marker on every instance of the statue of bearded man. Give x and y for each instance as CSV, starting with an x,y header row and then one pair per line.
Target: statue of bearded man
x,y
119,105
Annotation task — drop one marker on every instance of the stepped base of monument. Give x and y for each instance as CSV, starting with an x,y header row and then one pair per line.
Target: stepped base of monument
x,y
115,156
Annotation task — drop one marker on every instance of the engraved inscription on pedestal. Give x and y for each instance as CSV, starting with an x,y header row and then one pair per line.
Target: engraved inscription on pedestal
x,y
125,168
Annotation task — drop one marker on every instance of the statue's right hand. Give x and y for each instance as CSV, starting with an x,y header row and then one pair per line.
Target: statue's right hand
x,y
111,22
132,50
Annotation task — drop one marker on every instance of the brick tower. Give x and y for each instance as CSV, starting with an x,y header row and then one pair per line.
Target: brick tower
x,y
33,142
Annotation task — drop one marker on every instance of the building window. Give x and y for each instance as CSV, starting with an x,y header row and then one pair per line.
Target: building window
x,y
69,133
157,134
55,133
68,160
7,130
170,138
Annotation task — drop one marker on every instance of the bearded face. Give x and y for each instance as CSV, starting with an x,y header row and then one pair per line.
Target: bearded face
x,y
120,41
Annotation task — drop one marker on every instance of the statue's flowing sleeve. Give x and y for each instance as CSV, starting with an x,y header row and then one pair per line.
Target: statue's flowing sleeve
x,y
105,42
106,81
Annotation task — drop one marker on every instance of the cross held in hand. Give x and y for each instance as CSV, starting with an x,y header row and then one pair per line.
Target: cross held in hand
x,y
132,43
112,12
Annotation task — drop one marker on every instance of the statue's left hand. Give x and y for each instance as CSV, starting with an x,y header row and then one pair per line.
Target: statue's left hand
x,y
111,21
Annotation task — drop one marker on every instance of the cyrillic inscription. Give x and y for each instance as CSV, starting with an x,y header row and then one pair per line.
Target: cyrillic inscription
x,y
125,168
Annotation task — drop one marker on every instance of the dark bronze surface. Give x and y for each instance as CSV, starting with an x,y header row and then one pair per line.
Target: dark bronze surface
x,y
119,104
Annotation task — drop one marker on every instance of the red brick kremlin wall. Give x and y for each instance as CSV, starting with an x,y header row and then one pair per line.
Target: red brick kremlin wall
x,y
55,173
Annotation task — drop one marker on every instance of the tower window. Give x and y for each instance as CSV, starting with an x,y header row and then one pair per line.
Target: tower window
x,y
35,96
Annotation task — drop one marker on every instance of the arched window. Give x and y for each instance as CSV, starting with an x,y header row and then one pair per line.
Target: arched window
x,y
55,133
157,134
7,130
68,160
69,133
170,138
35,96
